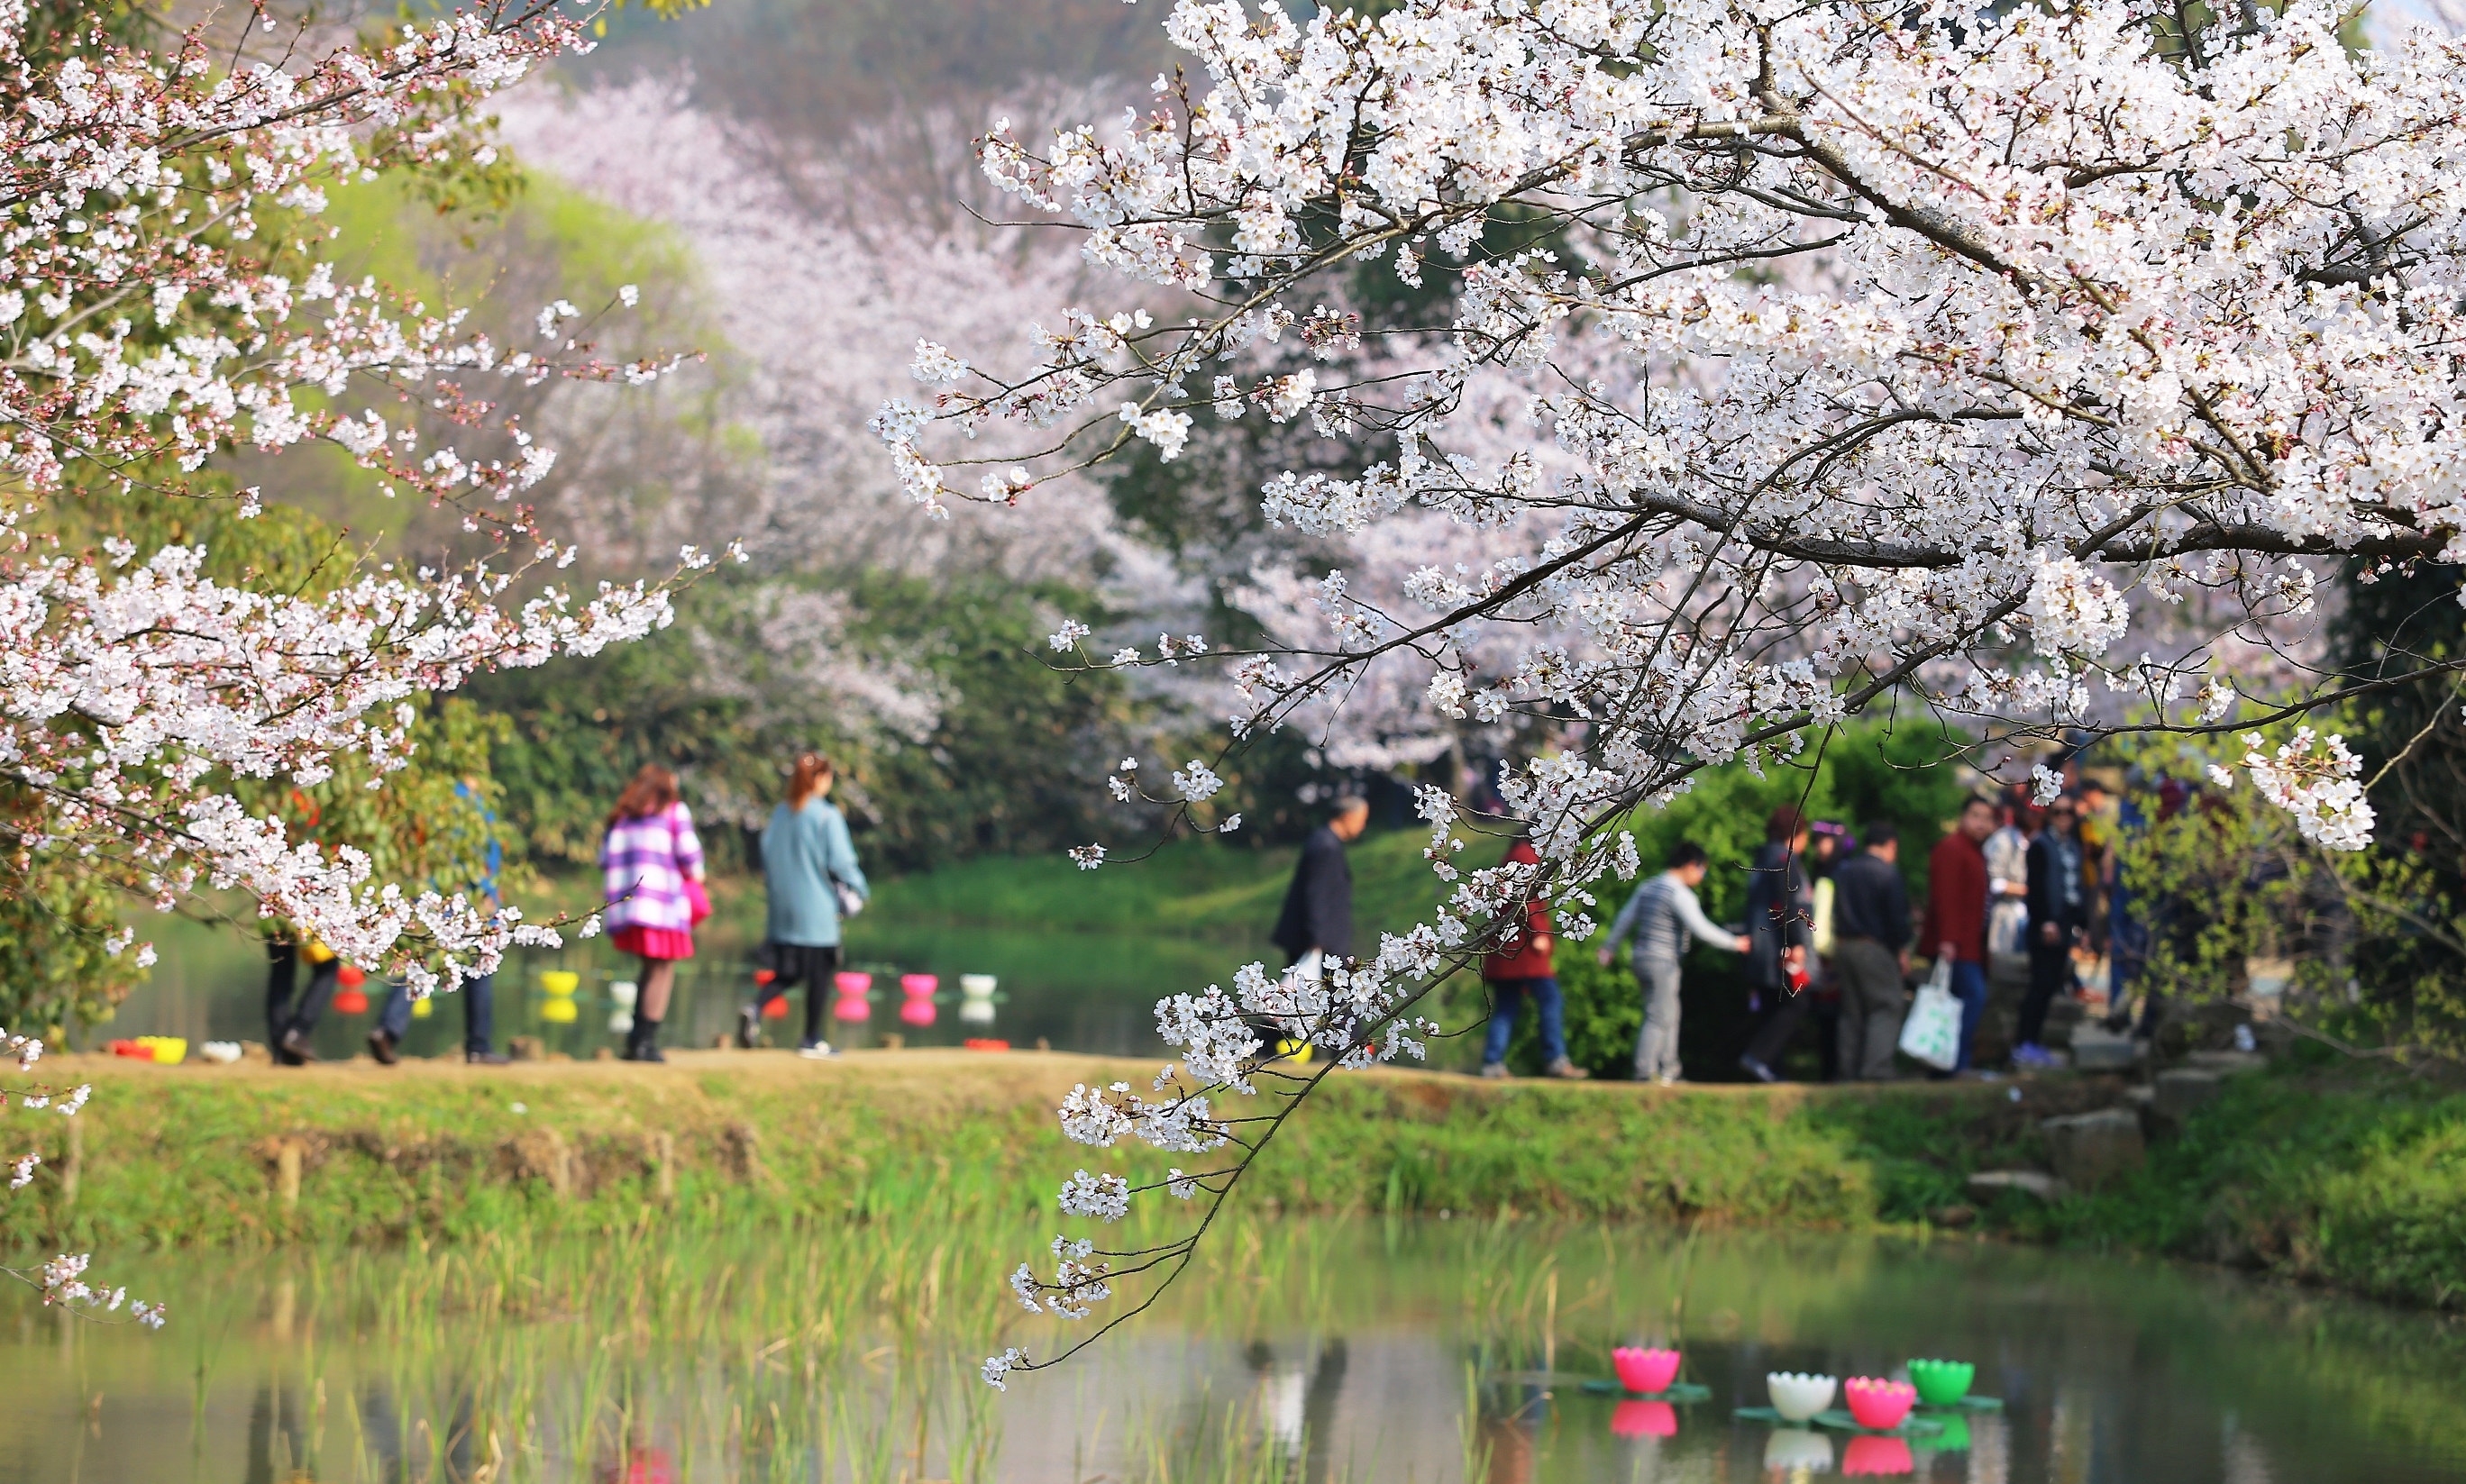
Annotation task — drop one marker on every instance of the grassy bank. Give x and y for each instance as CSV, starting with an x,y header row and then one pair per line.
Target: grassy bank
x,y
2360,1184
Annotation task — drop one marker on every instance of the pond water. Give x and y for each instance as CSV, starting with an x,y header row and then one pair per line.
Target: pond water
x,y
1073,990
1433,1351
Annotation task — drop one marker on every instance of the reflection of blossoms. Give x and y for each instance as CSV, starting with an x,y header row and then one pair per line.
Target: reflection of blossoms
x,y
2317,780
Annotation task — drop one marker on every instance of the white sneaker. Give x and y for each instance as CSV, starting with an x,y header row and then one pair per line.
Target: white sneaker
x,y
816,1051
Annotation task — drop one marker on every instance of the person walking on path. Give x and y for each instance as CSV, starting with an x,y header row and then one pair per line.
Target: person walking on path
x,y
1521,968
652,866
290,1016
807,860
1658,920
1316,927
2058,911
1955,916
479,995
1781,931
1871,938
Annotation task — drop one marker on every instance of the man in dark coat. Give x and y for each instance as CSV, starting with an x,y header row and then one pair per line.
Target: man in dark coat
x,y
1318,905
2058,910
1781,928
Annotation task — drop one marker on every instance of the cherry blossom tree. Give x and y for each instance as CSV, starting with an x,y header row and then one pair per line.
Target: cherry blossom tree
x,y
164,301
1879,354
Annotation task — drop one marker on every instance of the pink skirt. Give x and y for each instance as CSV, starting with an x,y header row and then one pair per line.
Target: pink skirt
x,y
654,942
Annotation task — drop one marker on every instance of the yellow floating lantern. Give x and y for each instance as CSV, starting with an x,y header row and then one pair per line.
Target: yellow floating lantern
x,y
560,981
558,1008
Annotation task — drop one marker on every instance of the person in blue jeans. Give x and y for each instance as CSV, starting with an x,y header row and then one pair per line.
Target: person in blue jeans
x,y
1521,968
479,995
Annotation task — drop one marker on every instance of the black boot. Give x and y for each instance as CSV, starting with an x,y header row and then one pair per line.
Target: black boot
x,y
645,1042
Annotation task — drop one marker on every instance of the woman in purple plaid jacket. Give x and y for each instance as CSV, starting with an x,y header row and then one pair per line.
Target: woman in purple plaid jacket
x,y
651,861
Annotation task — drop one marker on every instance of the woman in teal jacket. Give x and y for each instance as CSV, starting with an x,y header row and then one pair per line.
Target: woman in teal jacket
x,y
806,859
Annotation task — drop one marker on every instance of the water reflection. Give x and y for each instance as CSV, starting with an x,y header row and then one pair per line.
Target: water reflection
x,y
1331,1361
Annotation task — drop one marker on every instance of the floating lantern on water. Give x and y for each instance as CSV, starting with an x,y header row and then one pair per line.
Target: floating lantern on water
x,y
351,999
977,999
918,1009
1796,1450
423,1007
1645,1372
1941,1382
167,1051
1880,1455
560,981
1878,1402
853,989
1645,1420
622,993
1797,1396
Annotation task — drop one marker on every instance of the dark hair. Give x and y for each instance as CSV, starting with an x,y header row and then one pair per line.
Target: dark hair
x,y
1979,801
653,789
1683,855
1881,832
1344,803
1787,822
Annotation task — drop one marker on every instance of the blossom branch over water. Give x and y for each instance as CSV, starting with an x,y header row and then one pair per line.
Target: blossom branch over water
x,y
1874,352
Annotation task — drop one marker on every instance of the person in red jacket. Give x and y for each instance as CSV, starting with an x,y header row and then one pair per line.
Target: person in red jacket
x,y
1955,916
1521,968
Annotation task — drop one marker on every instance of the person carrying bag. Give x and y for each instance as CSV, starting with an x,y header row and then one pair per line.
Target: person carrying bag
x,y
810,870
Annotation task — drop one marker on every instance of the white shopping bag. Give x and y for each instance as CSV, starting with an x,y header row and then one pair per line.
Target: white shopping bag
x,y
1930,1032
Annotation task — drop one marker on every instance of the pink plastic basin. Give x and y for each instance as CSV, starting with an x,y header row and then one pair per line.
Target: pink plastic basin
x,y
1879,1403
1645,1420
1646,1372
914,984
852,981
917,1012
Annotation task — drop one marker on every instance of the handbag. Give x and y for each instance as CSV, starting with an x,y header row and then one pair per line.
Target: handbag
x,y
1930,1032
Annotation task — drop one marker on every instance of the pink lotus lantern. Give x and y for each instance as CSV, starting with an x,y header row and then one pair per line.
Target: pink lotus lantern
x,y
1645,1372
1879,1403
1645,1420
919,989
1877,1455
852,990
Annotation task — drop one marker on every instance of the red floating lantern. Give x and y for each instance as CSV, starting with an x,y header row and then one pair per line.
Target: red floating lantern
x,y
977,1043
353,1001
349,977
776,1008
763,976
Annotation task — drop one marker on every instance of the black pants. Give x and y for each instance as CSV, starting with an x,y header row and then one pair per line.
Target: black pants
x,y
2050,973
802,964
282,1015
1783,1012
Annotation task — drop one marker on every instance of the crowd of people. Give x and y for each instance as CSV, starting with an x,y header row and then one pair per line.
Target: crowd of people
x,y
1831,933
